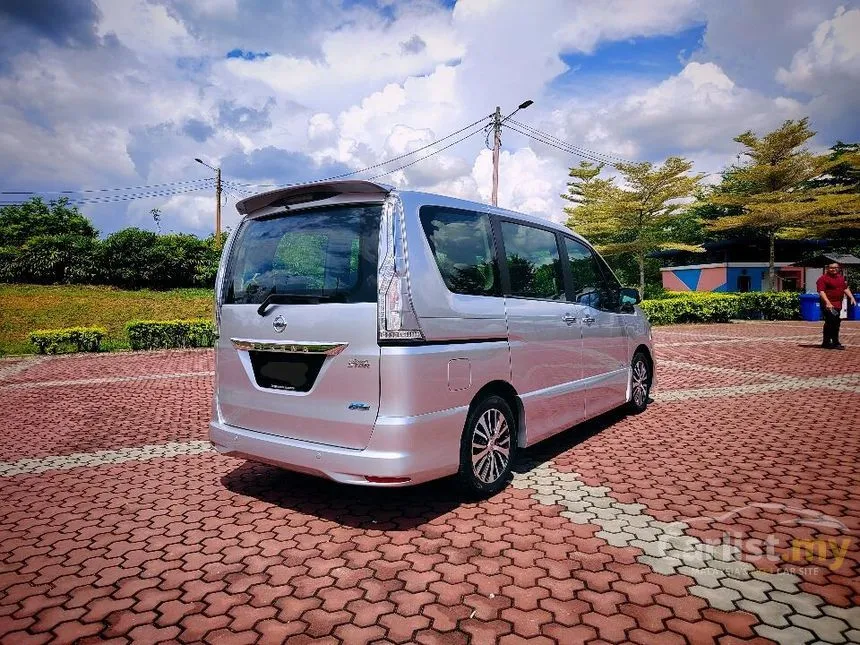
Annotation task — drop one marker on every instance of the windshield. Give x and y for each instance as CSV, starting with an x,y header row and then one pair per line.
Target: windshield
x,y
328,252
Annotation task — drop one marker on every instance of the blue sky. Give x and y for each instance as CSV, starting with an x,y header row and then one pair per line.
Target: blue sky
x,y
118,93
646,58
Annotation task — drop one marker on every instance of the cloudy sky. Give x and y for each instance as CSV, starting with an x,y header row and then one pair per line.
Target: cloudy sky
x,y
121,93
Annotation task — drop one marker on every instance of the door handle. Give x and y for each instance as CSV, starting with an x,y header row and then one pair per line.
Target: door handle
x,y
569,319
588,320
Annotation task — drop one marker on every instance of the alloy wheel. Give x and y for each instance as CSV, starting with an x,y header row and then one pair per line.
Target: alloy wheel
x,y
491,446
640,382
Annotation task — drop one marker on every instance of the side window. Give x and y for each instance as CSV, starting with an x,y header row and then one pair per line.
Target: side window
x,y
588,282
462,244
534,265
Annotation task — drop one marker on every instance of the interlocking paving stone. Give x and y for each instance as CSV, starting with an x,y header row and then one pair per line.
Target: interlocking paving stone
x,y
786,635
709,580
78,460
121,523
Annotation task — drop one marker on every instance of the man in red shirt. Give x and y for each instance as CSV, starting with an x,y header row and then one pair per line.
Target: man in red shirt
x,y
831,287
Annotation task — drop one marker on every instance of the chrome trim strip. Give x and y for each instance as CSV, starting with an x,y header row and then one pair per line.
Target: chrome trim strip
x,y
291,346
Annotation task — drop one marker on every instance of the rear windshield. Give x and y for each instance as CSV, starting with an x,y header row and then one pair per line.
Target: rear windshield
x,y
326,254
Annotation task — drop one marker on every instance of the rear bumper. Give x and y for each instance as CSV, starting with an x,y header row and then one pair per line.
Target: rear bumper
x,y
422,448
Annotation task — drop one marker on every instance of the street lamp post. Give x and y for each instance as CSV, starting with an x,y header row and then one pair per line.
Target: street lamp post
x,y
217,200
497,144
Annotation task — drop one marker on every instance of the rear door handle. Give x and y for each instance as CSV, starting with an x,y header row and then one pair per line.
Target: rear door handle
x,y
569,319
588,320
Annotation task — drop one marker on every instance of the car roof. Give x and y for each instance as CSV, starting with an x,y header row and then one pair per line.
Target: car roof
x,y
317,191
466,204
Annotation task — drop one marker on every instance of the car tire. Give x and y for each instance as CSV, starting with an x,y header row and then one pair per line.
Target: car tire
x,y
484,472
641,377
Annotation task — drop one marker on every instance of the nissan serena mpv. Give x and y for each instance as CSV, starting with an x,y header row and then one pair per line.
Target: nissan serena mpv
x,y
383,337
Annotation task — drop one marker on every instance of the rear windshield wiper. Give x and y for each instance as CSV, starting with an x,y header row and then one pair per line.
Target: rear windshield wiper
x,y
286,298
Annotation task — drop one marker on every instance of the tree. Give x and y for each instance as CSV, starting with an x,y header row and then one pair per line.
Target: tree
x,y
844,169
47,259
156,217
644,215
127,258
35,218
782,189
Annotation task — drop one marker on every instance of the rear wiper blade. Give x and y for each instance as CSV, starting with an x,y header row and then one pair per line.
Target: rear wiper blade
x,y
286,298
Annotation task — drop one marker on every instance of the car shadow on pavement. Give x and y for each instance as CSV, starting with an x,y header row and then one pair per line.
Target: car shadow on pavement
x,y
550,448
387,509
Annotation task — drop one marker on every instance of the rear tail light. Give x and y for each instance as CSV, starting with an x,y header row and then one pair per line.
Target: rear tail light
x,y
219,278
397,319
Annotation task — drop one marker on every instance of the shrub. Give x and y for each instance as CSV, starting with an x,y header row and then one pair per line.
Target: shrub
x,y
135,258
654,292
181,260
126,258
76,339
708,307
50,259
781,305
52,243
10,264
169,334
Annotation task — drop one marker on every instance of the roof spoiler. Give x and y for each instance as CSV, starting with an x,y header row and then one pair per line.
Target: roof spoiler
x,y
312,192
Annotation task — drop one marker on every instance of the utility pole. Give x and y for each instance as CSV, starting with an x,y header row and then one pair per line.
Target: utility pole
x,y
217,199
497,143
218,207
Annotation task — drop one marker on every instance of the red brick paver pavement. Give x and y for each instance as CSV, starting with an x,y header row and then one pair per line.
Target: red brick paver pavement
x,y
671,526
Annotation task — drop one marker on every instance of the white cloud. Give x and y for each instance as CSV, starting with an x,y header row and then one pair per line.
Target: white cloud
x,y
830,60
699,107
358,86
358,57
527,182
321,127
147,28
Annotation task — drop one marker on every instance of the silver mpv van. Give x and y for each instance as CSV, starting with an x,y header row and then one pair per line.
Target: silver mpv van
x,y
384,337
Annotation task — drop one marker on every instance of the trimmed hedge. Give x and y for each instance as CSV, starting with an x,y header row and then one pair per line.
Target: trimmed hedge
x,y
130,258
171,334
74,339
708,307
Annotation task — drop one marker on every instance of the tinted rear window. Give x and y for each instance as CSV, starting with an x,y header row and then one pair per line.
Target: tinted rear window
x,y
328,252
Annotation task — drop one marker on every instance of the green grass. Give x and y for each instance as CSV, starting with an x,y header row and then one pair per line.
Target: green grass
x,y
26,307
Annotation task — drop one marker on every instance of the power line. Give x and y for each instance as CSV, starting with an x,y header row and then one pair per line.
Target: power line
x,y
435,152
606,157
102,190
412,152
187,186
236,187
387,161
238,183
107,199
566,149
235,195
143,195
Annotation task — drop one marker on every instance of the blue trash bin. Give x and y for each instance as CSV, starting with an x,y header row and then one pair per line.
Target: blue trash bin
x,y
810,307
854,311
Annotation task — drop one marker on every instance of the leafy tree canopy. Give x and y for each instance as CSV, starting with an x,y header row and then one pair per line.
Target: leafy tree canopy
x,y
783,190
640,216
36,218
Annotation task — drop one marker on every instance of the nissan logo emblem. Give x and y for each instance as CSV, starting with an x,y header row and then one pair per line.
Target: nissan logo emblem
x,y
279,324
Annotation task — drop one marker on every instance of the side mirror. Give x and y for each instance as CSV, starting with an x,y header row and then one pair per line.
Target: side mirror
x,y
629,297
